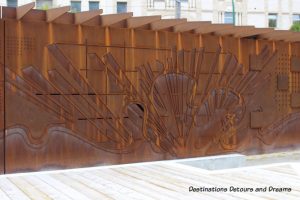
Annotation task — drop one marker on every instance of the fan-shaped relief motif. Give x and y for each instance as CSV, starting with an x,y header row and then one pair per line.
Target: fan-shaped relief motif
x,y
210,112
178,109
219,104
172,94
219,115
169,95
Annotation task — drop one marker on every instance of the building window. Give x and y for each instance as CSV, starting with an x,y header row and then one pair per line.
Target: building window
x,y
296,18
150,3
121,7
239,18
75,6
184,4
228,18
43,4
220,17
159,4
93,5
12,3
170,4
163,4
272,20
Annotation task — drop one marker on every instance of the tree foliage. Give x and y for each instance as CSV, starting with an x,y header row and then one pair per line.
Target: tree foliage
x,y
295,27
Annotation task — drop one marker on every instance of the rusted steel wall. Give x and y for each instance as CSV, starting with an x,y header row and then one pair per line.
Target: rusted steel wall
x,y
79,95
2,104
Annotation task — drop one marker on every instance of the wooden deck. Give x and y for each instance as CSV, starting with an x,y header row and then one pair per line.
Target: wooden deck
x,y
157,180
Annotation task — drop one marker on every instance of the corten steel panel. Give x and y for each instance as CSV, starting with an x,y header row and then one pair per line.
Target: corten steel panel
x,y
230,45
295,64
282,82
247,47
189,41
257,119
2,101
295,100
210,42
84,95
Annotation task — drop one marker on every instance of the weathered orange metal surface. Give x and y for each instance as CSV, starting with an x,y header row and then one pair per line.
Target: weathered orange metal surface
x,y
86,89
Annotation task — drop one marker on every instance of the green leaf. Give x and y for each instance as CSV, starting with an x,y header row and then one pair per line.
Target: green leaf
x,y
295,27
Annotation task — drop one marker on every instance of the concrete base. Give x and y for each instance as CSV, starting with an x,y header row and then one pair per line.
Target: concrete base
x,y
216,162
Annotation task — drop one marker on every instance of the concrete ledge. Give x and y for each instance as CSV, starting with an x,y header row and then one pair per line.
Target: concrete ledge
x,y
216,162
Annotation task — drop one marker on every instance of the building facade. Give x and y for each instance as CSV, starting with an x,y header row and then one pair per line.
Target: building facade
x,y
280,14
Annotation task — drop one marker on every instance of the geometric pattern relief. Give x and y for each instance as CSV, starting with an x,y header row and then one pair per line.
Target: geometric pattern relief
x,y
174,110
87,89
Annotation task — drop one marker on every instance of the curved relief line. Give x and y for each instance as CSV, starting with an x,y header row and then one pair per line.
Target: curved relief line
x,y
32,140
250,78
159,128
209,86
172,86
281,122
42,142
160,132
276,127
145,114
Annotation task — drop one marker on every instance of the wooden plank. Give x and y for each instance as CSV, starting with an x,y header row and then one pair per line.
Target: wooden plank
x,y
140,186
196,174
62,187
149,181
46,188
247,181
265,179
110,188
283,169
165,180
31,191
3,195
289,177
78,186
12,191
